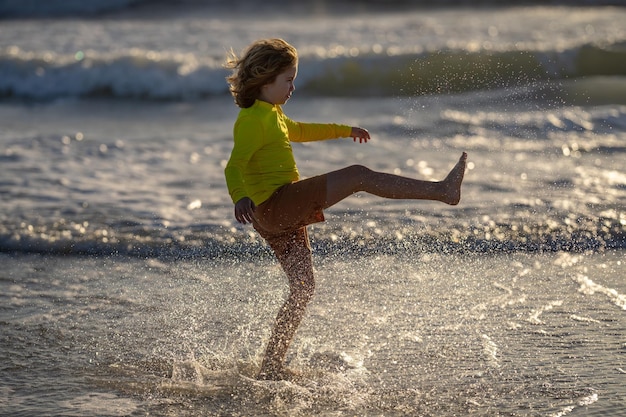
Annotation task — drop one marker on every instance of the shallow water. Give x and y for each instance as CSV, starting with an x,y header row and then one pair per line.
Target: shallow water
x,y
432,335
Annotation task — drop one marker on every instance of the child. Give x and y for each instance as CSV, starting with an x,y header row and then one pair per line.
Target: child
x,y
265,187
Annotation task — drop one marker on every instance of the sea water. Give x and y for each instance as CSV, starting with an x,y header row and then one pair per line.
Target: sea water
x,y
128,288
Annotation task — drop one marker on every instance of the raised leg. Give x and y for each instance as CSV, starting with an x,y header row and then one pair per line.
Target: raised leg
x,y
345,182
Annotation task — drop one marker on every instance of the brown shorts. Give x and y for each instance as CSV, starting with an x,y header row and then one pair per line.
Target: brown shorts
x,y
291,207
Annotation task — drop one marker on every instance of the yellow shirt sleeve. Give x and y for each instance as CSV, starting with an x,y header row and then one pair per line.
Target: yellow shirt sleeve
x,y
309,132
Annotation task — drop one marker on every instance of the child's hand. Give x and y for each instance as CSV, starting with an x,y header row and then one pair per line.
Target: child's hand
x,y
244,210
361,134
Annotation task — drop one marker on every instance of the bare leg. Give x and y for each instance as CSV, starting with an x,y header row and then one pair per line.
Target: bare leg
x,y
295,258
355,178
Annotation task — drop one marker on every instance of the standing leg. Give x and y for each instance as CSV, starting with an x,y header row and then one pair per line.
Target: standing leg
x,y
345,182
294,255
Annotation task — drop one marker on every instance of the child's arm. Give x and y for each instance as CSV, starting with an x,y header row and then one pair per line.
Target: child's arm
x,y
247,142
309,132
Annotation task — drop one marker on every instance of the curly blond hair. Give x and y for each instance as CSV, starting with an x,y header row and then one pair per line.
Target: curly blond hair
x,y
261,62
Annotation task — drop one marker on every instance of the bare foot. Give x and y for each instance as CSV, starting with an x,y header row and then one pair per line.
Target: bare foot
x,y
282,374
270,372
452,183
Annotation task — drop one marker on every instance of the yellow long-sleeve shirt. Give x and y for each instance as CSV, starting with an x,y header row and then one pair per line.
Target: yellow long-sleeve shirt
x,y
262,159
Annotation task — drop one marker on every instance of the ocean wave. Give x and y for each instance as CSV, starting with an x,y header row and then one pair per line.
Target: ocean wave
x,y
132,74
156,75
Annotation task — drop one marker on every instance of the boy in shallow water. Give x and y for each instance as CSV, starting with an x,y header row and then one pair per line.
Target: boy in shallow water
x,y
265,186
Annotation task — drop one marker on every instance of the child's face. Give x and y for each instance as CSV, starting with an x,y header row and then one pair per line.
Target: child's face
x,y
279,91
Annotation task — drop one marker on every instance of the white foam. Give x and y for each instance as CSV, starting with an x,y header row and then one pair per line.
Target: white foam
x,y
491,351
534,317
97,403
588,287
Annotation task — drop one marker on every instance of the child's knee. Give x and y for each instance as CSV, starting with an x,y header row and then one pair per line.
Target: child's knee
x,y
359,171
